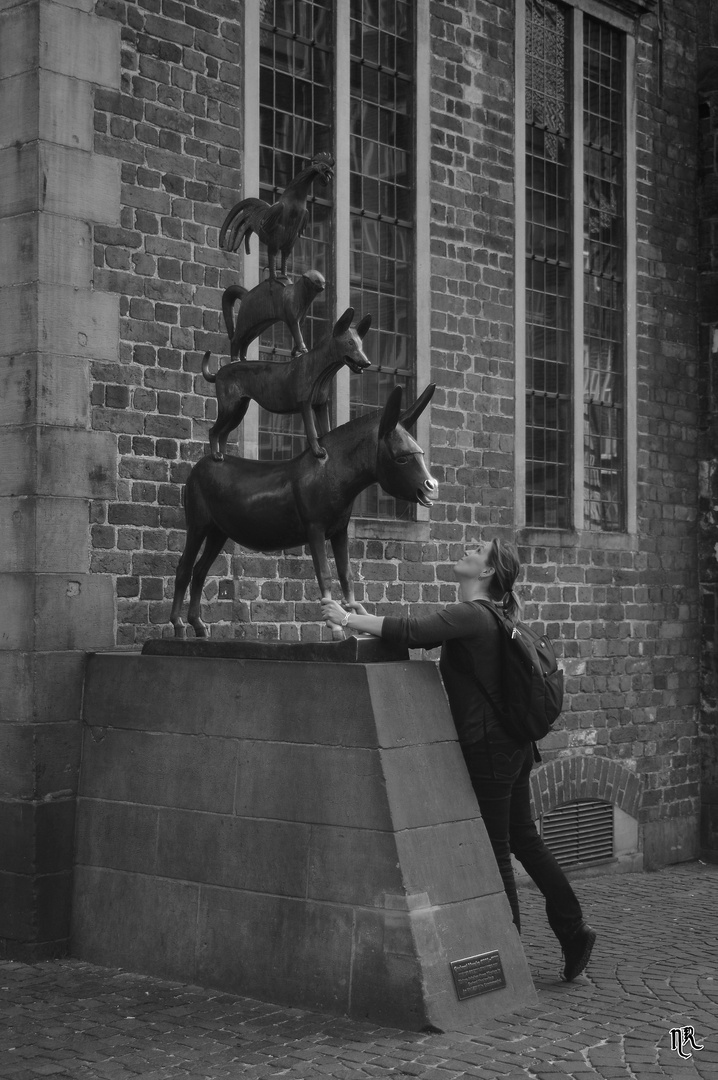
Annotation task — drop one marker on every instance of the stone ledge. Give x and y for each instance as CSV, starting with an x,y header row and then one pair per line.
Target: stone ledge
x,y
353,650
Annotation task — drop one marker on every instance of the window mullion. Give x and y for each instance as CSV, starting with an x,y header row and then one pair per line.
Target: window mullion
x,y
578,272
249,429
342,223
631,478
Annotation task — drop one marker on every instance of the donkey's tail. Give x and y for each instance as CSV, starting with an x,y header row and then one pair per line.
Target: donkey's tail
x,y
205,368
229,298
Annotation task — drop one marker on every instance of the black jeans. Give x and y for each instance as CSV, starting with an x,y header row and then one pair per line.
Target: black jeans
x,y
499,768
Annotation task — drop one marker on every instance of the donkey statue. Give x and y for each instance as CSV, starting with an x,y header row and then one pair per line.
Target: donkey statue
x,y
274,505
300,385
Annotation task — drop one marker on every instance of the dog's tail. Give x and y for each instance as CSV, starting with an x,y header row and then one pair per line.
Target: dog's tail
x,y
205,368
229,298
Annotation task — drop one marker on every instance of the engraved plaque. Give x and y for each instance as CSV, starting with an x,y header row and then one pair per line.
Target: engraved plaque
x,y
476,975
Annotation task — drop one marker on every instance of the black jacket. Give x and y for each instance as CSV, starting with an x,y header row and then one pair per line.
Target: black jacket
x,y
469,637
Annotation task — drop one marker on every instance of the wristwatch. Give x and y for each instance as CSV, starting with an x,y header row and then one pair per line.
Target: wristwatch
x,y
345,620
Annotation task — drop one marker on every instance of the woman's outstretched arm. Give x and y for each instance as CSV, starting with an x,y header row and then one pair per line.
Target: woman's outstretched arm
x,y
358,619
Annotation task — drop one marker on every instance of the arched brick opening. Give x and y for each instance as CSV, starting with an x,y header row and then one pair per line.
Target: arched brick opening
x,y
584,777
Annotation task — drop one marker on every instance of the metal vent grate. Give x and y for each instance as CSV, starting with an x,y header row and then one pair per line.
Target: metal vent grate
x,y
579,832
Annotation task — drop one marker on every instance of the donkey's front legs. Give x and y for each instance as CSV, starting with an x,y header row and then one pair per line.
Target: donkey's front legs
x,y
318,548
340,547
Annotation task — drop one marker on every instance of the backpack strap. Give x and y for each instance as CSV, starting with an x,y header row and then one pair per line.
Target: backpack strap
x,y
488,697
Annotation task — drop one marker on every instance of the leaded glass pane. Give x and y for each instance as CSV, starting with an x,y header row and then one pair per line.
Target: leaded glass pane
x,y
549,273
604,260
382,210
296,122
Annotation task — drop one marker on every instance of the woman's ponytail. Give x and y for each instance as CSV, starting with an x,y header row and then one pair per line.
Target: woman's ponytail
x,y
511,605
504,560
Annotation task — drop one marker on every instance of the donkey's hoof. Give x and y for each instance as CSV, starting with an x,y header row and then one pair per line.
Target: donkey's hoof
x,y
218,456
320,453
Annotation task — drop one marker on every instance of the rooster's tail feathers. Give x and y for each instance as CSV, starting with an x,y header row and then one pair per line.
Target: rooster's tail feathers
x,y
239,220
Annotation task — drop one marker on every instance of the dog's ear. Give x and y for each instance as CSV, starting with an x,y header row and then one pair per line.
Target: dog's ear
x,y
363,326
343,322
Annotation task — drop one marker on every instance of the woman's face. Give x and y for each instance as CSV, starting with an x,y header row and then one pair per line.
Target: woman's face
x,y
475,560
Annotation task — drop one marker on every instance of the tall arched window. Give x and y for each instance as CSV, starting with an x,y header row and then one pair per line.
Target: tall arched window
x,y
575,258
343,78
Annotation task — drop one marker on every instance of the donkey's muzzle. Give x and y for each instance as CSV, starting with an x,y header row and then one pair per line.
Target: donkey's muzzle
x,y
428,493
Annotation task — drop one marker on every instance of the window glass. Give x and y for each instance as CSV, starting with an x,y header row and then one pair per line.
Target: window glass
x,y
382,212
297,108
296,89
604,257
556,287
549,273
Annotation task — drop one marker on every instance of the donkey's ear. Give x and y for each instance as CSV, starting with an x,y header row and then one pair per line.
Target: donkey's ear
x,y
392,410
343,322
363,326
414,411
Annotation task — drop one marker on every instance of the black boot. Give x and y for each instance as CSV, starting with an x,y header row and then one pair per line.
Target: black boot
x,y
577,951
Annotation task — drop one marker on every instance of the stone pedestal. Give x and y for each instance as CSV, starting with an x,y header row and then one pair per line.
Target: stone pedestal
x,y
304,833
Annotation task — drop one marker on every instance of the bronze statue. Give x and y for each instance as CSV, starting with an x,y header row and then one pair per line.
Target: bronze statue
x,y
281,224
267,303
274,505
287,386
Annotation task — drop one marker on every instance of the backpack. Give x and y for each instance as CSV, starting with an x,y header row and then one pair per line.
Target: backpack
x,y
531,680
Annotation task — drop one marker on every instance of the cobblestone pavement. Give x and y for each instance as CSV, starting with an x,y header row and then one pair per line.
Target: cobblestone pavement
x,y
655,968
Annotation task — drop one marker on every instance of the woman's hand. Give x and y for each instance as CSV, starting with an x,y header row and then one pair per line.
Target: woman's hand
x,y
332,612
362,622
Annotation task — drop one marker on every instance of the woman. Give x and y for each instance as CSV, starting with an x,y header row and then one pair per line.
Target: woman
x,y
499,766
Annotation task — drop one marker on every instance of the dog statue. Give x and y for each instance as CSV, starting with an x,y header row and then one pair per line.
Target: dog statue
x,y
300,385
267,303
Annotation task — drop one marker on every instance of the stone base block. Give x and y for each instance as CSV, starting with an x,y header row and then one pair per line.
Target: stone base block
x,y
35,878
305,833
709,822
671,841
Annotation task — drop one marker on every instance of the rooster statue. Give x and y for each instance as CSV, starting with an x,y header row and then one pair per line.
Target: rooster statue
x,y
279,225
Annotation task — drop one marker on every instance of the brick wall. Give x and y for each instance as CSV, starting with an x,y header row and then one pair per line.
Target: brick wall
x,y
472,267
175,126
654,725
625,612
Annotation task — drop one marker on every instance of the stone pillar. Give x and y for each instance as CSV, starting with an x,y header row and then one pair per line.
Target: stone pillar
x,y
708,519
52,189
